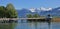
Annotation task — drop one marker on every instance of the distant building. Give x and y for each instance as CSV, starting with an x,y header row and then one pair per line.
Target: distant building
x,y
49,16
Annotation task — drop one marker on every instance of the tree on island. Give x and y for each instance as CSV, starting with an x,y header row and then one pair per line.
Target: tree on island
x,y
29,15
2,11
11,11
36,15
33,16
8,11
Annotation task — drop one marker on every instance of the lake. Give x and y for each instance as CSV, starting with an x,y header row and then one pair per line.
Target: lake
x,y
30,25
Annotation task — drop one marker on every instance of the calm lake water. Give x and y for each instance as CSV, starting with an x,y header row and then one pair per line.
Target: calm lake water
x,y
30,25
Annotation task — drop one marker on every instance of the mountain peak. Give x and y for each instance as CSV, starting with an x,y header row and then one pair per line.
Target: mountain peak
x,y
32,9
57,9
45,9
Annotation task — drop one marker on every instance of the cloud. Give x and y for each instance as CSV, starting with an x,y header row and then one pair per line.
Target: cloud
x,y
45,9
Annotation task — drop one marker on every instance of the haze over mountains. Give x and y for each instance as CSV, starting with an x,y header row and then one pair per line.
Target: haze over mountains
x,y
41,11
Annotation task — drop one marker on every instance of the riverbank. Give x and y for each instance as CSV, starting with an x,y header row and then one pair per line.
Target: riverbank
x,y
8,20
55,20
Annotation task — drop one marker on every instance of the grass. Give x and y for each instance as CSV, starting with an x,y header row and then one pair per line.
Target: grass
x,y
55,20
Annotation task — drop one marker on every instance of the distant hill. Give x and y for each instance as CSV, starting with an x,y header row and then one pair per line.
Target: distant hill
x,y
23,12
54,12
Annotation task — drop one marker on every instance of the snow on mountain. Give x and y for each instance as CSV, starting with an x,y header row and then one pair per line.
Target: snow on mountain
x,y
40,9
32,9
45,9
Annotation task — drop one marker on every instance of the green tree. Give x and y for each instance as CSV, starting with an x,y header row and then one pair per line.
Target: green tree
x,y
33,16
2,12
11,12
29,16
36,15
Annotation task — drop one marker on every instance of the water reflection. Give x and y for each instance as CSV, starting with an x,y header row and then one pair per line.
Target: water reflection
x,y
38,25
7,25
30,25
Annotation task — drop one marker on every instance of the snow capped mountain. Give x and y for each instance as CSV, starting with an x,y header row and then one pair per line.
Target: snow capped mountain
x,y
32,9
45,9
23,12
41,11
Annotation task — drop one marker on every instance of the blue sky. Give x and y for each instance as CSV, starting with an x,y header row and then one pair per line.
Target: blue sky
x,y
31,3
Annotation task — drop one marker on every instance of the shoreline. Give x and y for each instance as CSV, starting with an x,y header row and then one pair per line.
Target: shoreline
x,y
55,20
15,20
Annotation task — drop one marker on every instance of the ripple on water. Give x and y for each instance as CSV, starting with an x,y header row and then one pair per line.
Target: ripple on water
x,y
38,25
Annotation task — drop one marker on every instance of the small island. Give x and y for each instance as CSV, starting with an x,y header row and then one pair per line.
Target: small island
x,y
8,13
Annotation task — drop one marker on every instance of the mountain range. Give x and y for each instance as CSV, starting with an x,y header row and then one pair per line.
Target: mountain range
x,y
41,11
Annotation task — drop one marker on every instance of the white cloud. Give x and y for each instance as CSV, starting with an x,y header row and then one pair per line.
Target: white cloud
x,y
45,9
